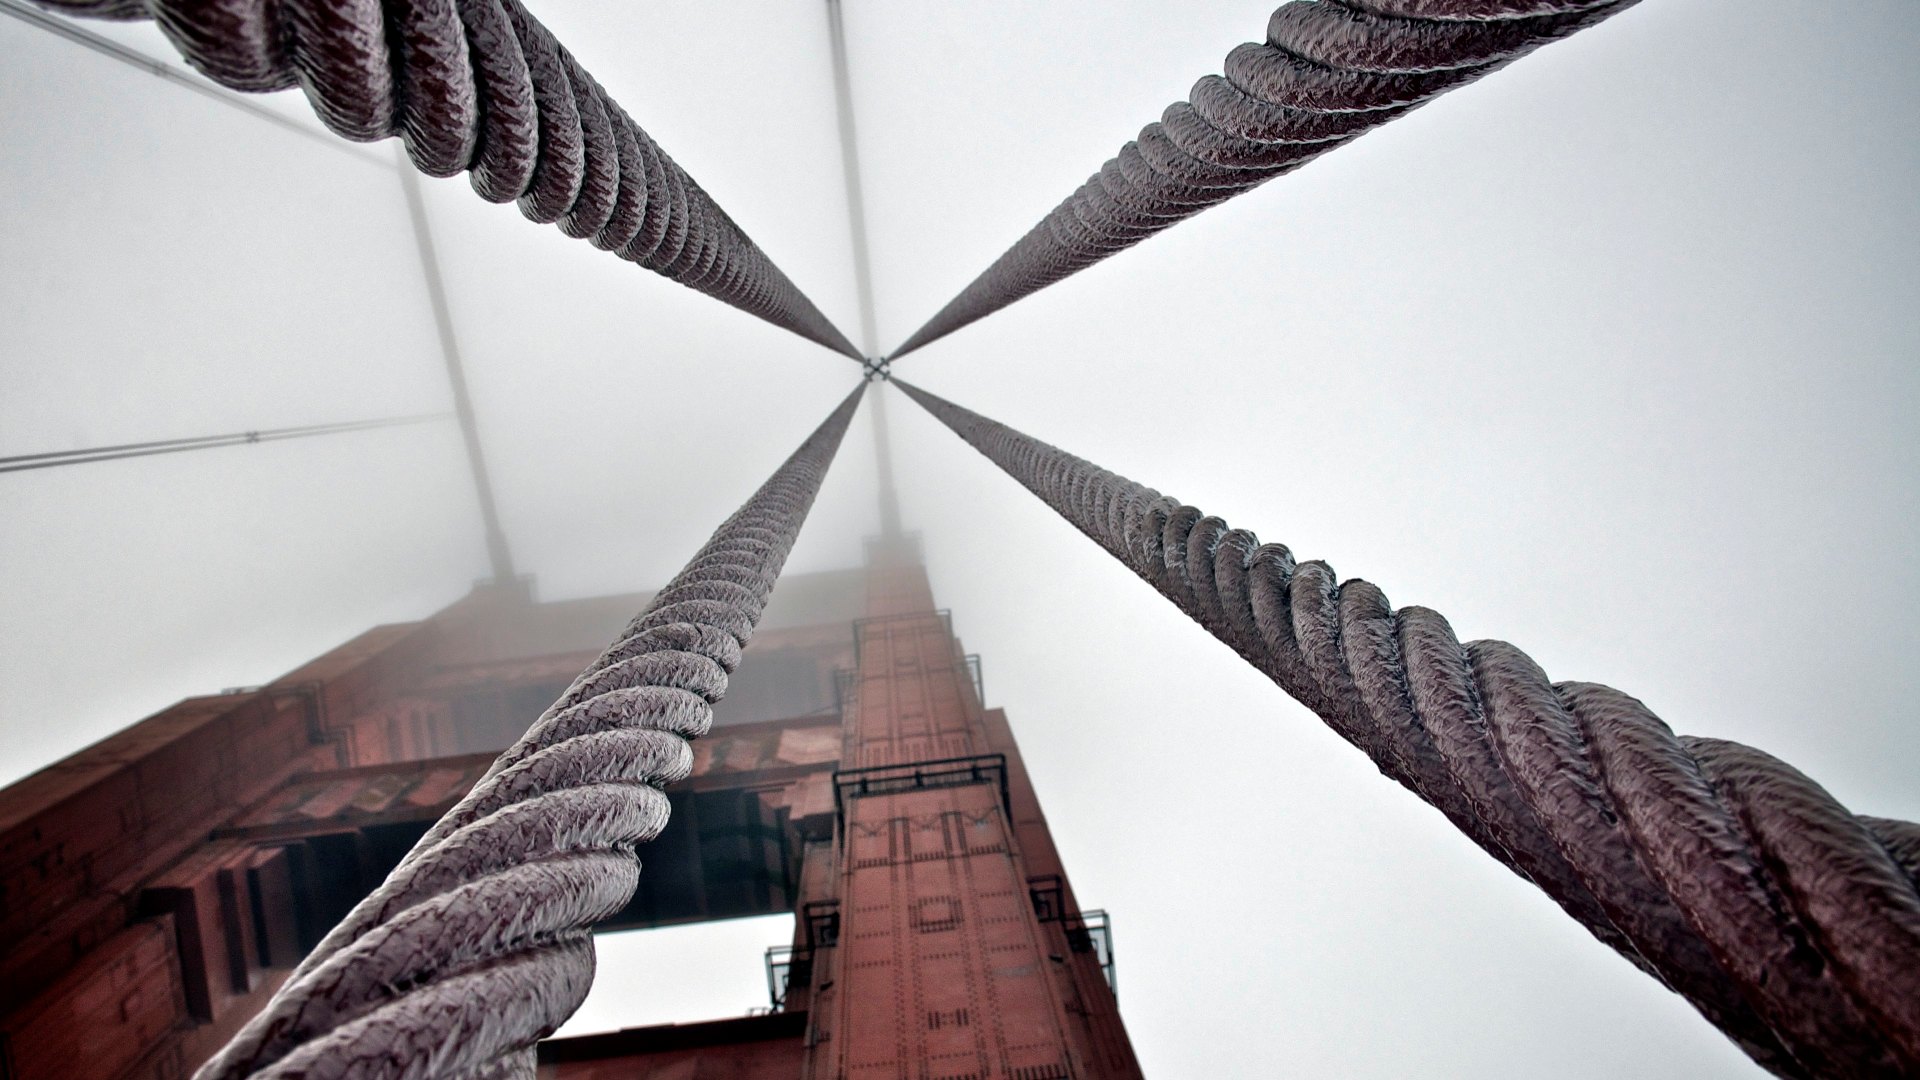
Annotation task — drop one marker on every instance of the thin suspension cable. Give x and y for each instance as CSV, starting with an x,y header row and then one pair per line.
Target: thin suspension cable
x,y
481,87
1331,71
850,168
51,459
1790,923
862,265
883,455
498,554
112,49
480,941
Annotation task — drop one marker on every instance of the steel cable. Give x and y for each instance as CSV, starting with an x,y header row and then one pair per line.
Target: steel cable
x,y
480,86
1328,73
55,458
1790,923
480,941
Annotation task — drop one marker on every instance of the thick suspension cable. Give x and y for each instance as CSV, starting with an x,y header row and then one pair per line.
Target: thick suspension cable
x,y
1789,922
480,942
480,86
186,80
52,458
1328,73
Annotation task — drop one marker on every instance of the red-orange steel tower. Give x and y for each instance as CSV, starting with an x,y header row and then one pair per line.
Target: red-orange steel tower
x,y
156,887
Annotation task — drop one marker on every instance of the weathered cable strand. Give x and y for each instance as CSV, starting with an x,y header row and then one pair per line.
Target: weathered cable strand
x,y
1330,71
480,86
479,942
1788,922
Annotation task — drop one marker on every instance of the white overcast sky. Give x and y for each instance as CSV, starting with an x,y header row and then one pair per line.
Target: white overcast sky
x,y
1612,355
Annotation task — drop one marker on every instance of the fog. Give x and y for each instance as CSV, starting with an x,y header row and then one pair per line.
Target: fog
x,y
1612,355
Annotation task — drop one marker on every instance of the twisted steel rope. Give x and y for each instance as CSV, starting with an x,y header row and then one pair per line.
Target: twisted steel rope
x,y
480,941
1790,923
480,86
1328,73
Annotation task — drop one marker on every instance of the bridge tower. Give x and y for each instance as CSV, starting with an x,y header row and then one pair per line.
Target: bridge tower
x,y
156,887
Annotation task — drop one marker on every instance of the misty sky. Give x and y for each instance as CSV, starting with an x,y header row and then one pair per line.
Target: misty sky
x,y
1612,355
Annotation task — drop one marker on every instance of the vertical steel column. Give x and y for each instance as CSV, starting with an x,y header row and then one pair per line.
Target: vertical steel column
x,y
943,962
497,553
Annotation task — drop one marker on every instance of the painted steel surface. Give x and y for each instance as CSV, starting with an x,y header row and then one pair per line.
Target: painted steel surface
x,y
952,955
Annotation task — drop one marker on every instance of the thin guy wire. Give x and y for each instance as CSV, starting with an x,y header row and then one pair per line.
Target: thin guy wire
x,y
51,459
